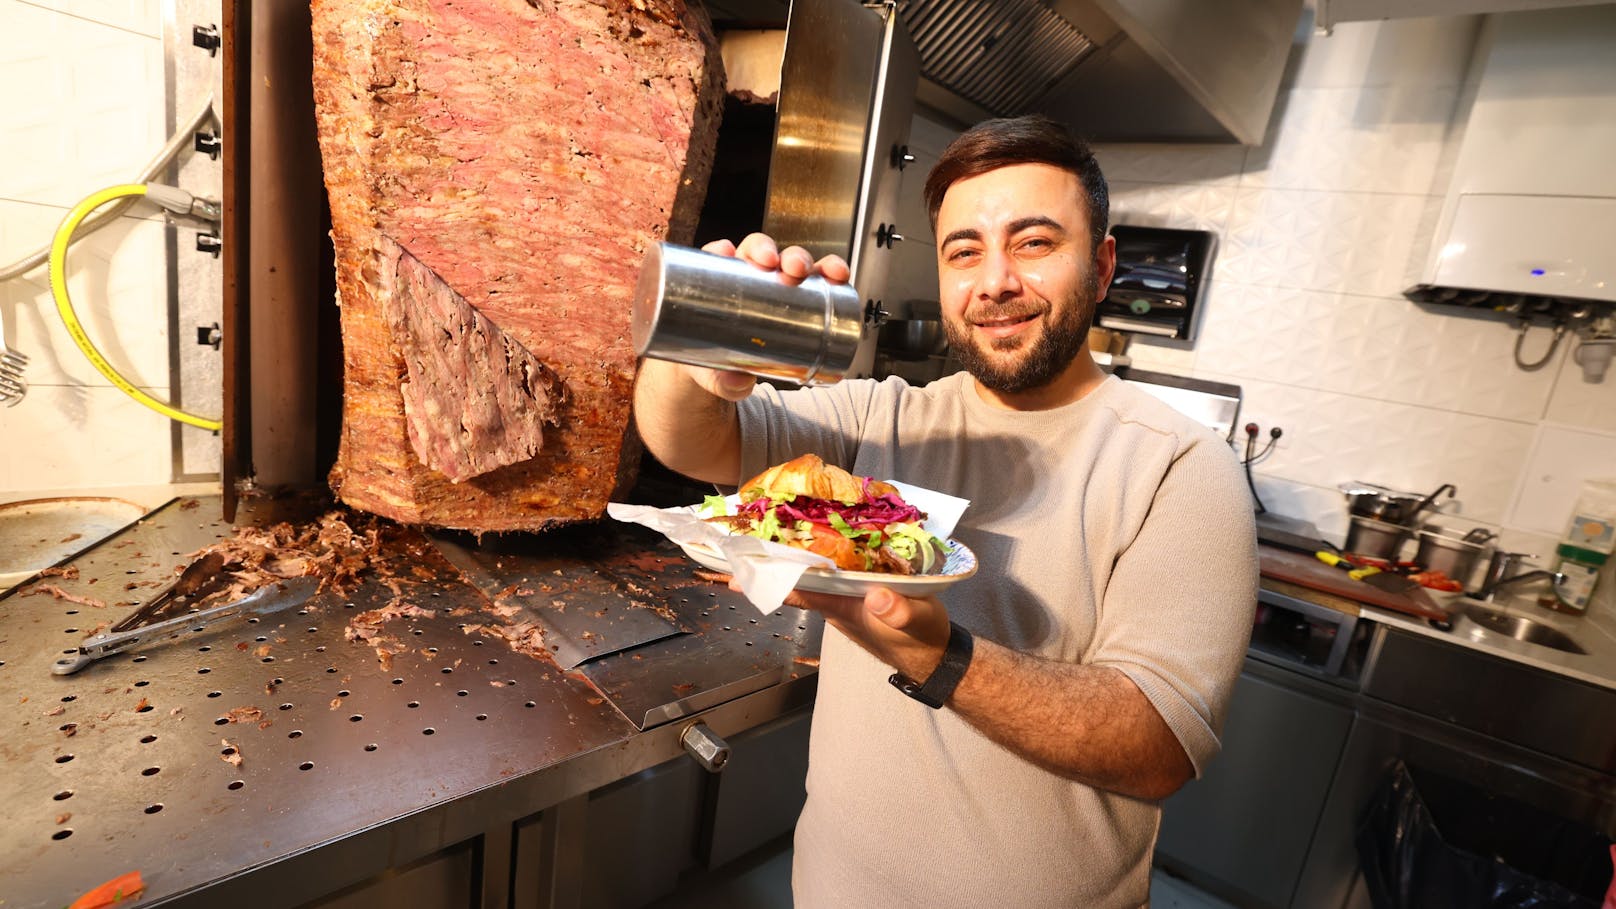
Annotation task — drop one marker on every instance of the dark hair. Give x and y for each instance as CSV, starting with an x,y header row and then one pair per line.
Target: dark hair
x,y
1034,139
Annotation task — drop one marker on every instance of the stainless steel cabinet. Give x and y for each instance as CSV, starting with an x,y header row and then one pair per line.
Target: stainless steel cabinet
x,y
1243,829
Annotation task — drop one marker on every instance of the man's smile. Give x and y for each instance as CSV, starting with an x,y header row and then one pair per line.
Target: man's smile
x,y
1000,326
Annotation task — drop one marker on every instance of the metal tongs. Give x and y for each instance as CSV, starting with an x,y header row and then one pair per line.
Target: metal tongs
x,y
199,580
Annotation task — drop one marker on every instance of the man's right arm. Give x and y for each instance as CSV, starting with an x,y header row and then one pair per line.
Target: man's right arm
x,y
686,416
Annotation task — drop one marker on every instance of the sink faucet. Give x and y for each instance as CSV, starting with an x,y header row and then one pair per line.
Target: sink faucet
x,y
1503,570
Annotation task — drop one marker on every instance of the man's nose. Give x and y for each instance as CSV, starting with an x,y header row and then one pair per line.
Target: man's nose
x,y
1000,278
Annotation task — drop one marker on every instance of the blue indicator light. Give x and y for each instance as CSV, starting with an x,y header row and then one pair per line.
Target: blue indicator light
x,y
1538,272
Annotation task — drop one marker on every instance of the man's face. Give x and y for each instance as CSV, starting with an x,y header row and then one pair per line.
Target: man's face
x,y
1016,274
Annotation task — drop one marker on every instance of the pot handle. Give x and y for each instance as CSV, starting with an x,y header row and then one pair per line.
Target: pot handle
x,y
1413,518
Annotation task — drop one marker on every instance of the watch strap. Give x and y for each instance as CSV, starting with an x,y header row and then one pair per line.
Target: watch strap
x,y
940,685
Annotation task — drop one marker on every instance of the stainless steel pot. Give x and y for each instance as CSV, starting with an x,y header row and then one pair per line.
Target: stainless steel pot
x,y
1375,539
722,312
1371,501
1454,556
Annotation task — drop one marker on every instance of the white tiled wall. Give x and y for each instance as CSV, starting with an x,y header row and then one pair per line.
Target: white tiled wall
x,y
1321,228
82,96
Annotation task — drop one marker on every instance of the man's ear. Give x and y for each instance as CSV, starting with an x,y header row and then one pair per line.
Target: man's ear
x,y
1105,265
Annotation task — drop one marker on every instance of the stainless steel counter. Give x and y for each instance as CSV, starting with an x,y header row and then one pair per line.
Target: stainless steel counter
x,y
1594,632
273,761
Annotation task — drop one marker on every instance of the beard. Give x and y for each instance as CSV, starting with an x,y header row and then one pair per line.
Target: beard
x,y
1044,358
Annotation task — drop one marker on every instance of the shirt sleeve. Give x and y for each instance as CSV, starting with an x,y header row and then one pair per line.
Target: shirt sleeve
x,y
828,421
1177,612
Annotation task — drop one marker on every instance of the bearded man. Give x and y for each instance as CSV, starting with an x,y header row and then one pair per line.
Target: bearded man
x,y
1039,712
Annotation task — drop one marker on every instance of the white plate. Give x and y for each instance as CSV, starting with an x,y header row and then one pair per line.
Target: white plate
x,y
960,564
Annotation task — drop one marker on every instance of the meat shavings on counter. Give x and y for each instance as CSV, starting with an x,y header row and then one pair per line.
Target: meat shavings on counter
x,y
61,594
231,753
70,572
244,714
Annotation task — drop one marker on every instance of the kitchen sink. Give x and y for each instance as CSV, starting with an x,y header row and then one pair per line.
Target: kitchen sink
x,y
1518,627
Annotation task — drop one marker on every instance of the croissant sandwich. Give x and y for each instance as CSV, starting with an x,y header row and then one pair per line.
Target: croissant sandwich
x,y
859,523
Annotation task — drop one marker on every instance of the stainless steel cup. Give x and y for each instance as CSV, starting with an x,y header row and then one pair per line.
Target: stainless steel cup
x,y
718,311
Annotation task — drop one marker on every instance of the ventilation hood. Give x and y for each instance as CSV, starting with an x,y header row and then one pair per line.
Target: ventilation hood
x,y
1115,70
1527,223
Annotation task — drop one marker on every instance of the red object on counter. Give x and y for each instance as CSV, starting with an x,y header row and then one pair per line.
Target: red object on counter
x,y
120,889
1307,571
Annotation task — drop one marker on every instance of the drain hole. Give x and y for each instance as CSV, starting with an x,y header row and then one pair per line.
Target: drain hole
x,y
320,649
203,671
531,704
476,643
63,758
356,718
151,771
510,683
417,632
398,681
413,704
69,697
142,683
70,631
147,739
138,659
63,795
68,728
269,659
62,834
295,733
277,681
227,750
482,716
432,650
222,721
214,694
253,620
371,747
428,731
462,692
235,784
331,669
153,809
71,612
493,662
448,669
313,629
343,693
204,648
306,765
286,706
260,639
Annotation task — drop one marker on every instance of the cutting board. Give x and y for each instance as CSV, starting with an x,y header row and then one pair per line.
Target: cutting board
x,y
1307,571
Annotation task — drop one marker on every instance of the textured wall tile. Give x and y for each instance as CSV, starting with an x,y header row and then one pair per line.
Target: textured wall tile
x,y
1332,438
1324,507
1160,355
1379,139
84,104
1578,402
1194,206
117,283
142,16
1311,240
85,437
1420,52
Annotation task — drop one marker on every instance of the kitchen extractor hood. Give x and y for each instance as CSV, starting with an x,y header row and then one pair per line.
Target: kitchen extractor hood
x,y
1529,218
1115,70
1331,12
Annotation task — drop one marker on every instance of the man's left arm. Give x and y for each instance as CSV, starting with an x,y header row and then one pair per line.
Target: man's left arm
x,y
1139,716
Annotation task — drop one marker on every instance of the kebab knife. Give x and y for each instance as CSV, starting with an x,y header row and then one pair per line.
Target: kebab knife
x,y
270,598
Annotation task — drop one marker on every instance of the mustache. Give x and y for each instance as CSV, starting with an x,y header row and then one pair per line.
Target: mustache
x,y
995,312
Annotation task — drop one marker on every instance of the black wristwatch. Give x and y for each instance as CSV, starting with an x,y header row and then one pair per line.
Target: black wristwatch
x,y
940,685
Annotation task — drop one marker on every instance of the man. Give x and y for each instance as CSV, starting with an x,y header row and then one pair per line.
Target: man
x,y
1118,555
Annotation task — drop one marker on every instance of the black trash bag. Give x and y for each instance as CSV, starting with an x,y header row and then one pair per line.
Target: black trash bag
x,y
1443,843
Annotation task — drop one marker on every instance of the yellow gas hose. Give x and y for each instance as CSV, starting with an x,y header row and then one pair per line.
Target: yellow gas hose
x,y
64,306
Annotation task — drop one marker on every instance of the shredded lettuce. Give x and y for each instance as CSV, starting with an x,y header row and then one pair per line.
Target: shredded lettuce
x,y
713,506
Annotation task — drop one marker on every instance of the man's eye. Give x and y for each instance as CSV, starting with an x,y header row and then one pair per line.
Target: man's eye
x,y
1036,243
962,255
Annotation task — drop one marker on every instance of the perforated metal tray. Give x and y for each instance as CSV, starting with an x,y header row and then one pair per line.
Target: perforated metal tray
x,y
132,762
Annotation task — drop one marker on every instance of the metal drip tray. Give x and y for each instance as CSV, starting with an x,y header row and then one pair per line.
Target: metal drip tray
x,y
37,533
